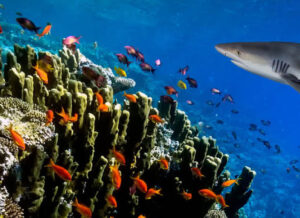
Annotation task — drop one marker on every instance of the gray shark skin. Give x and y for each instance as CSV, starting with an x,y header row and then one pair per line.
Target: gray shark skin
x,y
278,61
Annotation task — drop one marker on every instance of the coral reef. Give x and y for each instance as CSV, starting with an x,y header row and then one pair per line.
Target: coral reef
x,y
240,193
85,146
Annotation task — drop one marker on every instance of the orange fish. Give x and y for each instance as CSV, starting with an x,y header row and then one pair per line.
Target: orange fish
x,y
140,184
101,106
119,156
74,118
60,171
82,209
155,118
65,117
151,192
207,194
42,74
17,138
230,182
170,90
141,216
186,195
130,97
221,201
164,164
197,172
99,98
111,200
46,31
49,117
115,176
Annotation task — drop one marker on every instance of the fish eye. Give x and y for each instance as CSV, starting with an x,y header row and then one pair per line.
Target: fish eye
x,y
238,52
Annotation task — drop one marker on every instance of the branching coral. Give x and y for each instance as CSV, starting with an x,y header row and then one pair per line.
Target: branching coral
x,y
85,146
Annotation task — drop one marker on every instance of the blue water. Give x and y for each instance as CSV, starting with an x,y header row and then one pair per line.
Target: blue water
x,y
184,33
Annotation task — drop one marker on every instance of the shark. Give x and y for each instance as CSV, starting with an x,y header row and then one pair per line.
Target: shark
x,y
278,61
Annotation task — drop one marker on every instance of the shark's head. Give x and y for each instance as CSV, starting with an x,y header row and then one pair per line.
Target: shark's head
x,y
254,57
244,55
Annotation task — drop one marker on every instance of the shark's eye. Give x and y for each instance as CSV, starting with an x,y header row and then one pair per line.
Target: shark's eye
x,y
238,52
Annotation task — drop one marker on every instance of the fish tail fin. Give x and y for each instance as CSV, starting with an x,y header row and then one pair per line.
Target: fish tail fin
x,y
79,37
51,164
129,62
158,192
152,71
75,203
10,127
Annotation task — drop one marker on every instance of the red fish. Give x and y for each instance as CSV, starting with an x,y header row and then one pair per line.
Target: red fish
x,y
27,24
140,184
17,138
74,118
82,209
130,97
189,102
131,50
101,106
164,163
158,62
192,82
207,194
46,31
187,196
216,91
155,118
197,172
42,74
1,30
60,171
230,182
49,117
184,70
64,116
111,200
119,156
228,98
71,40
171,91
147,67
123,59
151,192
221,201
115,176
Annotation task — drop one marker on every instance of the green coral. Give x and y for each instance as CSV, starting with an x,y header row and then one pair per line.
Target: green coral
x,y
84,147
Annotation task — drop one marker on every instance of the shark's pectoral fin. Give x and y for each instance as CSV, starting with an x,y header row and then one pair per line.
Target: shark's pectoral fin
x,y
292,80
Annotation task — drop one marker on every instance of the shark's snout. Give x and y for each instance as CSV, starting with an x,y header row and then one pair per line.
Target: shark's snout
x,y
221,48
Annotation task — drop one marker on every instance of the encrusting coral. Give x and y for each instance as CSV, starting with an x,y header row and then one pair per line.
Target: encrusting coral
x,y
84,139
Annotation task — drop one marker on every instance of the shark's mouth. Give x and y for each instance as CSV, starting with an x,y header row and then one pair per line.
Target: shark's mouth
x,y
239,64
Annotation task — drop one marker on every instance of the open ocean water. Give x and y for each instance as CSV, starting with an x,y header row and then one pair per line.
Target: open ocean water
x,y
181,33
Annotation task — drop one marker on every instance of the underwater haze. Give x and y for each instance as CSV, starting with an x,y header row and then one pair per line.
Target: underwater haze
x,y
259,129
